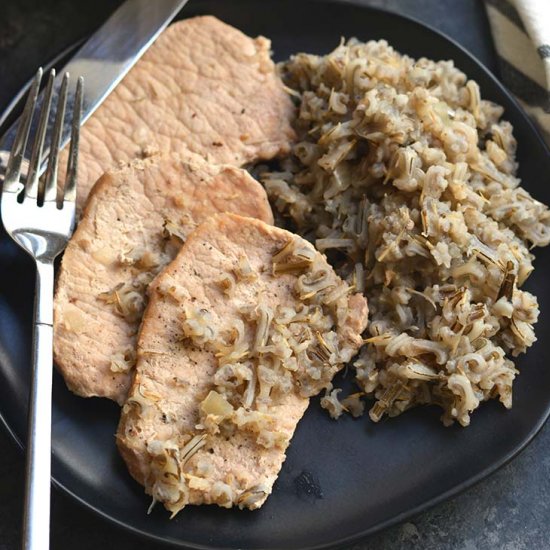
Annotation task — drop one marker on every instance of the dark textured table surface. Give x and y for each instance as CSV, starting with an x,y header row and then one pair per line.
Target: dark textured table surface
x,y
508,511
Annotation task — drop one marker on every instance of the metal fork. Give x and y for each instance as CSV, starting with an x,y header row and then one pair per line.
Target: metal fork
x,y
41,223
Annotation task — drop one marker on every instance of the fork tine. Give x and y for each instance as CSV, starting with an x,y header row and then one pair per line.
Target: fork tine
x,y
72,163
13,169
50,188
31,187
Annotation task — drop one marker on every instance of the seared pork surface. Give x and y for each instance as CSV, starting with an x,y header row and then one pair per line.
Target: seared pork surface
x,y
203,86
245,325
134,223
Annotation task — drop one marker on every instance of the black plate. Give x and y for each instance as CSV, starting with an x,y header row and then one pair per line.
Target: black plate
x,y
342,480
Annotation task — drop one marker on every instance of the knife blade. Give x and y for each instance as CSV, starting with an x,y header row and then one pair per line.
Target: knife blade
x,y
105,59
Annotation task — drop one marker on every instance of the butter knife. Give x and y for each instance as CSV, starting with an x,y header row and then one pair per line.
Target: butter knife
x,y
105,59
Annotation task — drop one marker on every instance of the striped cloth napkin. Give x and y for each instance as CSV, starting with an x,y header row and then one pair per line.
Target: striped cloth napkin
x,y
521,30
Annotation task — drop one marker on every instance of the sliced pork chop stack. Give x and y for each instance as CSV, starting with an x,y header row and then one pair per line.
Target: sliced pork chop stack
x,y
245,325
134,223
203,86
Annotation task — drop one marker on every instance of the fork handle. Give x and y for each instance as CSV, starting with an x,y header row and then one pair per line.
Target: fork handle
x,y
36,518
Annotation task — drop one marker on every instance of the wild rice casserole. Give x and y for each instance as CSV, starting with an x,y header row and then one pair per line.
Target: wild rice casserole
x,y
406,179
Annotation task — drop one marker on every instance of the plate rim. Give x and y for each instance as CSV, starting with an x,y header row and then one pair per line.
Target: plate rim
x,y
382,525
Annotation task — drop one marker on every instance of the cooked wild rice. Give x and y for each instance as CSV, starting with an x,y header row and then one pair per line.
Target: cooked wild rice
x,y
405,178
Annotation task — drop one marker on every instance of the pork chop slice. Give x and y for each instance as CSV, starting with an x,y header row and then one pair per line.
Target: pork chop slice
x,y
203,86
245,325
134,222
